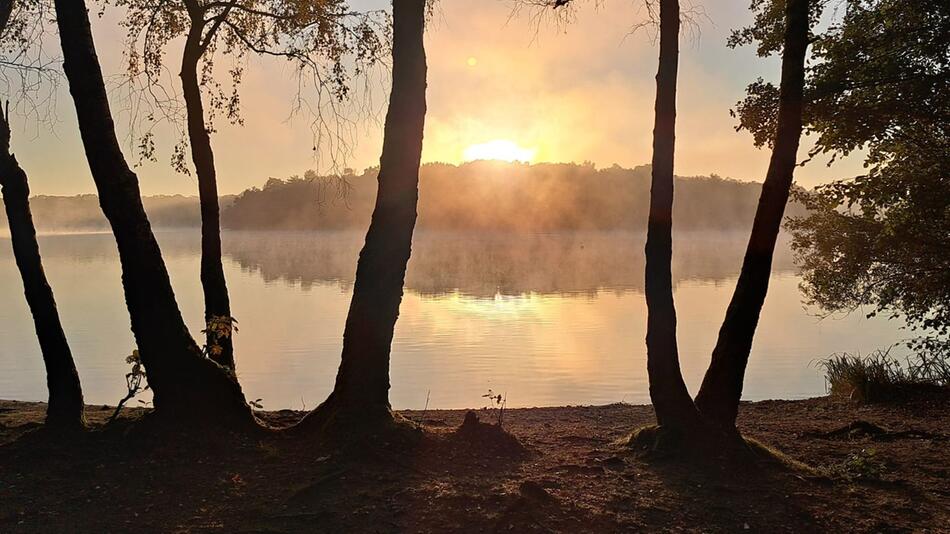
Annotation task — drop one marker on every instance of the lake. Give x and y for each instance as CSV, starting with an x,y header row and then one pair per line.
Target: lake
x,y
551,319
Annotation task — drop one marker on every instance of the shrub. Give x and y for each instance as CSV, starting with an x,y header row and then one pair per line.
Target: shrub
x,y
862,465
881,376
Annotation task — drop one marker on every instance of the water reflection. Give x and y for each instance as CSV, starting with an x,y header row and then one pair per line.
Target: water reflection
x,y
550,319
484,265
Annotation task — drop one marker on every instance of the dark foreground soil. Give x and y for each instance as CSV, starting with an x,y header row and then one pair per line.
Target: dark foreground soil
x,y
889,473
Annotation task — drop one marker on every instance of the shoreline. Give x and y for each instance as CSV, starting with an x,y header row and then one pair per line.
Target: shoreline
x,y
891,475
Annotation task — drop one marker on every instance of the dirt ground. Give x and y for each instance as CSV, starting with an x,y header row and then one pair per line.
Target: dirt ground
x,y
890,472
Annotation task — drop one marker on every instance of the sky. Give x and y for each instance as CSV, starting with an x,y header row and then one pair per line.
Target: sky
x,y
500,84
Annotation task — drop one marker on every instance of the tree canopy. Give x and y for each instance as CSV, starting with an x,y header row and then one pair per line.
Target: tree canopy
x,y
328,43
878,82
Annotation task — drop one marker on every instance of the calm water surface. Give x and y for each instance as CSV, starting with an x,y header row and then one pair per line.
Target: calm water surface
x,y
547,319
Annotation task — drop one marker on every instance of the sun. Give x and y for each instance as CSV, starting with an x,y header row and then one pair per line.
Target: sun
x,y
499,150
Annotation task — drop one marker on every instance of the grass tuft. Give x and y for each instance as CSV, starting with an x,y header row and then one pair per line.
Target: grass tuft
x,y
880,376
862,465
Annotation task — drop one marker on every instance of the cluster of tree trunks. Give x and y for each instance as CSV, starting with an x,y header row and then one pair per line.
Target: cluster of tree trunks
x,y
185,384
189,386
717,402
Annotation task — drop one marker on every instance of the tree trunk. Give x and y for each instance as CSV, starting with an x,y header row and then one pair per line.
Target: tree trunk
x,y
718,398
213,283
185,384
65,407
6,9
362,382
671,400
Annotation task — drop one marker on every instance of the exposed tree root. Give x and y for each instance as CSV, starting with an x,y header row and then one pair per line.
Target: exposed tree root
x,y
859,429
348,424
709,446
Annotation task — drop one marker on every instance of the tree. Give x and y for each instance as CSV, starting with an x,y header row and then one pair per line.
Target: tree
x,y
65,407
671,401
186,385
712,415
313,35
878,81
721,390
361,392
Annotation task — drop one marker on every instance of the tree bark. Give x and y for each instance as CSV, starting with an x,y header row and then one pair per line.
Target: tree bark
x,y
65,408
213,283
6,9
362,382
671,400
185,384
718,398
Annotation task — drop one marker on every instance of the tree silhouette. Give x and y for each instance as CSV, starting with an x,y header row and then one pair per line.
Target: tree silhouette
x,y
671,401
65,407
699,423
317,37
361,393
718,397
186,385
877,79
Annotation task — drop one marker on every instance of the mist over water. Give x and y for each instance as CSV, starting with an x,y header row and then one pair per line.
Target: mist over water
x,y
548,318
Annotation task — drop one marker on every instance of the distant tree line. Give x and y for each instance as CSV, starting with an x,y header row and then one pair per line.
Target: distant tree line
x,y
501,196
82,212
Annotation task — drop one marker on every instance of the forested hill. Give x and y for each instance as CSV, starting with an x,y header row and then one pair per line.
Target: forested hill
x,y
488,195
474,196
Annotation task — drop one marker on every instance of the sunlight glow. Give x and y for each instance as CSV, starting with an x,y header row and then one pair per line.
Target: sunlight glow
x,y
500,150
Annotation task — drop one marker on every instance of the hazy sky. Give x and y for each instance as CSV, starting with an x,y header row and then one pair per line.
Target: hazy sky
x,y
571,93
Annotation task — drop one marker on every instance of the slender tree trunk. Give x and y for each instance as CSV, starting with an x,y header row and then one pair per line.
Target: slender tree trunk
x,y
65,407
362,383
213,283
185,384
6,9
671,400
718,398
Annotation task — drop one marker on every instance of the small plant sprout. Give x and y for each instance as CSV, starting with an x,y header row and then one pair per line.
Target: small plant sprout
x,y
256,404
133,381
862,465
496,401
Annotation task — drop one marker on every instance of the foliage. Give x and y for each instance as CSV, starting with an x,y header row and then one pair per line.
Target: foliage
x,y
878,82
496,404
29,71
862,465
328,44
881,376
219,327
133,381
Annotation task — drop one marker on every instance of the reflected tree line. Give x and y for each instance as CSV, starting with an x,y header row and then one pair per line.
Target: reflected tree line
x,y
476,264
197,385
481,266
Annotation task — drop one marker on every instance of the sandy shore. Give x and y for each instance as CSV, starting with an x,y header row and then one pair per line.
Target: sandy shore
x,y
892,475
